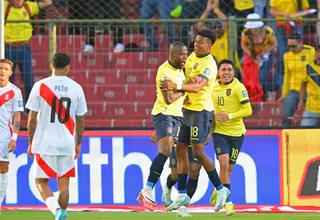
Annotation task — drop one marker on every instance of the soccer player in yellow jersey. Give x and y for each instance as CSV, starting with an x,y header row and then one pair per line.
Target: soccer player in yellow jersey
x,y
166,117
295,61
197,117
311,86
231,103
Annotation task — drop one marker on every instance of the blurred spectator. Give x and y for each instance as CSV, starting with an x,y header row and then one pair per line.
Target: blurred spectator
x,y
242,8
190,9
17,37
91,10
285,9
311,86
147,11
295,61
220,48
259,43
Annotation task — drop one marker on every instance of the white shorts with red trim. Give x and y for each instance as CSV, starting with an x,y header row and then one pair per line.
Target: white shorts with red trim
x,y
4,154
47,166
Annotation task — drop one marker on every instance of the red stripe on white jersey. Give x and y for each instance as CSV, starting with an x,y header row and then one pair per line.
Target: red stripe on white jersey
x,y
45,167
5,97
70,173
47,94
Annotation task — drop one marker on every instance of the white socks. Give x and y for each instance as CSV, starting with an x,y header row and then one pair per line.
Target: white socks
x,y
3,186
52,204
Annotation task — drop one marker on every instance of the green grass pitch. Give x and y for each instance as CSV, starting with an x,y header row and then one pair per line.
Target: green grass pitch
x,y
30,215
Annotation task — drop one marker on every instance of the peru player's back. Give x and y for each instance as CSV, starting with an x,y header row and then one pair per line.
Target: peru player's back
x,y
58,100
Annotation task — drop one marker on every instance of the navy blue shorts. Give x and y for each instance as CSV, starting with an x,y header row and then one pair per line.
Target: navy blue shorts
x,y
173,158
224,144
195,127
166,125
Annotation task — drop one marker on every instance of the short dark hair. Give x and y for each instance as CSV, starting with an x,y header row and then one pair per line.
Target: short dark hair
x,y
178,44
60,60
5,60
225,61
295,35
208,33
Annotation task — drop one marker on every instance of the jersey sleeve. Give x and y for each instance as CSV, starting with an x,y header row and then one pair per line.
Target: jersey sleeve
x,y
208,71
34,8
305,77
82,105
161,74
242,94
18,101
33,102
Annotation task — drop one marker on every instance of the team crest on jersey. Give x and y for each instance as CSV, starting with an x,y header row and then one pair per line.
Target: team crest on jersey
x,y
169,130
195,65
25,14
228,92
207,71
303,58
244,93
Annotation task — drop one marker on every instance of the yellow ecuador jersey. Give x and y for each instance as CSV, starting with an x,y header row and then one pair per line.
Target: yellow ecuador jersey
x,y
289,6
19,32
220,48
230,99
204,67
270,36
242,5
313,88
294,67
177,76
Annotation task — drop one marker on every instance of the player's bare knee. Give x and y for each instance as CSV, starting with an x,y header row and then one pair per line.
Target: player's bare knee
x,y
194,170
41,184
194,174
165,145
182,150
4,167
224,166
198,152
63,184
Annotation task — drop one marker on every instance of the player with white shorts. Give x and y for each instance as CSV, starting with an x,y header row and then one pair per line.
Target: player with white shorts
x,y
11,106
56,123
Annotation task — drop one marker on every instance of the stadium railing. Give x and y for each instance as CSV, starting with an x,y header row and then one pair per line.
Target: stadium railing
x,y
120,87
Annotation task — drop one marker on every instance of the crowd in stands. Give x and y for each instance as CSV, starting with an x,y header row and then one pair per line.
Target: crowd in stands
x,y
271,58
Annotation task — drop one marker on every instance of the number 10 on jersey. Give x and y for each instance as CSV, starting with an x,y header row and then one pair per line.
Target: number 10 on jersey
x,y
58,108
